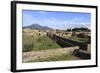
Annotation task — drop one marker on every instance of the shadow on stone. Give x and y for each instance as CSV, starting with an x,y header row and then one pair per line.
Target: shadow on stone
x,y
81,54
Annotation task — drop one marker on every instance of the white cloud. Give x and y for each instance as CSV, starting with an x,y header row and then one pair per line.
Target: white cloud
x,y
85,23
77,19
55,23
26,19
42,12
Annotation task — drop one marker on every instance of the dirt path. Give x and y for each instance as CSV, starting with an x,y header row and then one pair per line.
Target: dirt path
x,y
35,55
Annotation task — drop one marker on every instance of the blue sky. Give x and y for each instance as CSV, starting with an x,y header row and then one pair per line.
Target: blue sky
x,y
56,20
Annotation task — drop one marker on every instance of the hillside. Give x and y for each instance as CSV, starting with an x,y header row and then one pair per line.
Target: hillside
x,y
37,26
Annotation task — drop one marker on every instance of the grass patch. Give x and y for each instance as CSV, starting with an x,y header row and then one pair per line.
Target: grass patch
x,y
28,43
44,42
82,40
38,43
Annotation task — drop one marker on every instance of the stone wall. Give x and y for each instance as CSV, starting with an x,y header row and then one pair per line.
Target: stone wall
x,y
61,40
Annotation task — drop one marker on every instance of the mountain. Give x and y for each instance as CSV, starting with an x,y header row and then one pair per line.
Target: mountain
x,y
37,26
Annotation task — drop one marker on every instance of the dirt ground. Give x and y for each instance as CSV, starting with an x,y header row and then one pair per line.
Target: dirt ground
x,y
43,54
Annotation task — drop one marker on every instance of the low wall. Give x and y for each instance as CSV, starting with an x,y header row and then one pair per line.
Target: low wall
x,y
61,41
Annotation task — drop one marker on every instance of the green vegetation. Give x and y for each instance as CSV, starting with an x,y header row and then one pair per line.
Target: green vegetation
x,y
39,42
79,29
82,40
36,40
78,39
28,43
44,42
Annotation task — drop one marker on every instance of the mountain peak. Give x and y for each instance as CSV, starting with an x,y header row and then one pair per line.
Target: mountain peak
x,y
37,26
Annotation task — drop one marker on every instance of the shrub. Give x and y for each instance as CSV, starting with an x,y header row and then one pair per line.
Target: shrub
x,y
82,35
28,43
74,34
28,47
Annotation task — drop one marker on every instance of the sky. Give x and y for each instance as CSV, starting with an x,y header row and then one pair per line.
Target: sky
x,y
56,20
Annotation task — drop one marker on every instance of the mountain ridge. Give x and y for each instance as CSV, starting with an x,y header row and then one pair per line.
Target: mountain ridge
x,y
37,26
